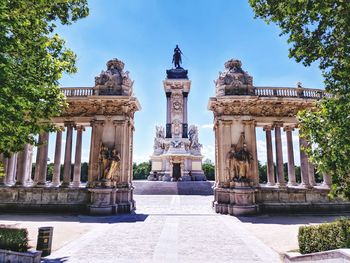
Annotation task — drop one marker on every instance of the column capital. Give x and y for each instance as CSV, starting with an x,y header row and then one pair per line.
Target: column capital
x,y
278,124
268,127
97,122
249,122
289,128
79,127
69,123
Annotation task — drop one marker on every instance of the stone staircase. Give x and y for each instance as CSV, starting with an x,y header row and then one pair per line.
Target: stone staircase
x,y
173,188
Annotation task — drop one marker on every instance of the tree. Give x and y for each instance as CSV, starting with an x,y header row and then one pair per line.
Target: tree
x,y
319,31
142,170
209,169
32,60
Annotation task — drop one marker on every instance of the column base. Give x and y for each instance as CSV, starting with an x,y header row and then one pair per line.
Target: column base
x,y
65,185
292,184
40,185
76,184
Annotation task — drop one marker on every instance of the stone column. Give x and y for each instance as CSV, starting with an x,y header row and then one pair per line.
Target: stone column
x,y
41,160
68,155
10,169
269,153
77,162
250,137
304,165
327,180
96,139
291,164
311,172
57,162
4,162
184,124
279,155
22,162
168,115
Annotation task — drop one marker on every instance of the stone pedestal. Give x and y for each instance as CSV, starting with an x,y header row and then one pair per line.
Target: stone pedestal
x,y
238,200
101,201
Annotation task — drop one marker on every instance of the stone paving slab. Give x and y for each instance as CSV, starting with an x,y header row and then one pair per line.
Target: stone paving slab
x,y
168,229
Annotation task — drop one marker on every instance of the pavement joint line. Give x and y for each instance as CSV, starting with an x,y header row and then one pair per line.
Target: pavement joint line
x,y
261,250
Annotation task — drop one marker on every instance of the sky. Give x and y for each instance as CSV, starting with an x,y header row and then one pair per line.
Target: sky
x,y
143,35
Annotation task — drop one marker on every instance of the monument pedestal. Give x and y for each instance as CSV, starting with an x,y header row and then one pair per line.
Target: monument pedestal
x,y
107,201
101,201
238,200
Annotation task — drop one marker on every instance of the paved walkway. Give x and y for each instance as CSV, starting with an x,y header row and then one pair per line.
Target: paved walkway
x,y
166,229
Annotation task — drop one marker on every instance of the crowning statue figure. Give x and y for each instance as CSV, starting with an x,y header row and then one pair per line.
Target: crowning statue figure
x,y
177,57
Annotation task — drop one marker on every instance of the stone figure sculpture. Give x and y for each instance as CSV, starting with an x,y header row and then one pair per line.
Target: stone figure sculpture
x,y
238,160
177,57
159,140
193,136
233,80
113,81
109,161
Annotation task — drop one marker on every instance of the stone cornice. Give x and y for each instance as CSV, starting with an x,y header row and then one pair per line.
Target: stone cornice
x,y
101,105
258,106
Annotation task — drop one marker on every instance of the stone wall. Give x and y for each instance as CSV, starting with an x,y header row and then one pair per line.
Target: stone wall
x,y
19,199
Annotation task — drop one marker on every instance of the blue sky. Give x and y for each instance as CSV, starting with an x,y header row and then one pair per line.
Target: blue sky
x,y
143,34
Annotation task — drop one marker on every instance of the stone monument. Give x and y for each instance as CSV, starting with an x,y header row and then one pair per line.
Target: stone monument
x,y
110,163
177,151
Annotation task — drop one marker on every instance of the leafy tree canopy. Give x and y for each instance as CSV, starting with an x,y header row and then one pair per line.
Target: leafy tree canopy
x,y
32,60
319,31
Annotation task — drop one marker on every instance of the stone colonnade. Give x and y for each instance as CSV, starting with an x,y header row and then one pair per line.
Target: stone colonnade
x,y
306,168
18,168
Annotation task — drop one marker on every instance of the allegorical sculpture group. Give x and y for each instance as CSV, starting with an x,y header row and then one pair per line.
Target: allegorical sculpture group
x,y
238,161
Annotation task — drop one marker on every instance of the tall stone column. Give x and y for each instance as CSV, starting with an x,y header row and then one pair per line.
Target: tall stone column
x,y
168,115
269,153
22,163
279,155
291,163
304,164
77,162
41,160
250,136
68,155
185,123
327,180
10,169
57,162
311,172
96,137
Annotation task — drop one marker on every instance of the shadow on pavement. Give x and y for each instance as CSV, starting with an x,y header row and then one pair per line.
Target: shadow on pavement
x,y
296,219
112,219
55,260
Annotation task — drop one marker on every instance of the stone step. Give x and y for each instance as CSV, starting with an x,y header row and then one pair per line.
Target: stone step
x,y
173,188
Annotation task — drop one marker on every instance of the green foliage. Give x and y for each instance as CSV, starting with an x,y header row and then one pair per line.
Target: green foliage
x,y
2,170
209,169
32,60
324,237
15,239
142,170
319,31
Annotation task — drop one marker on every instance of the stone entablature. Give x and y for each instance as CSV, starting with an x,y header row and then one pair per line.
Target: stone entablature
x,y
258,106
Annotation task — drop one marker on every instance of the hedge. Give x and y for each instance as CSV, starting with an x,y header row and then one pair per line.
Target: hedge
x,y
15,239
324,237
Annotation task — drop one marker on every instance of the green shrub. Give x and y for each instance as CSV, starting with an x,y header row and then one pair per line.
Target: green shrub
x,y
324,237
15,239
